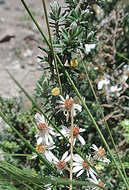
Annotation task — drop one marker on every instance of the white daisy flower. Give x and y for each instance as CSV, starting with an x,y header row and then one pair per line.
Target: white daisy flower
x,y
76,134
45,132
103,83
122,81
97,182
69,106
62,163
44,149
89,47
123,78
126,71
100,154
115,91
79,166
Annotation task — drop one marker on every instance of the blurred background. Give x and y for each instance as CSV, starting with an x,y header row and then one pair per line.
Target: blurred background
x,y
19,41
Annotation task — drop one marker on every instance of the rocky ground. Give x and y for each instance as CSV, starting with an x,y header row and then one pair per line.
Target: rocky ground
x,y
19,41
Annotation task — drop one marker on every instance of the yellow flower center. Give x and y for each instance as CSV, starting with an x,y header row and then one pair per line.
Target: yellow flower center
x,y
42,126
61,164
101,183
41,148
85,165
74,63
127,73
116,91
55,91
75,131
69,103
101,152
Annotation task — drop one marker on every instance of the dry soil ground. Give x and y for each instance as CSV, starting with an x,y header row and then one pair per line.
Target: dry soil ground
x,y
19,41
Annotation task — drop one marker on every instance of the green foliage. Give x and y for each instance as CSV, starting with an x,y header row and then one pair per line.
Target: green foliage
x,y
75,27
23,121
125,125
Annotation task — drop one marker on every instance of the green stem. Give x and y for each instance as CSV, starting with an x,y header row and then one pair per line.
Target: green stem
x,y
122,56
52,48
36,23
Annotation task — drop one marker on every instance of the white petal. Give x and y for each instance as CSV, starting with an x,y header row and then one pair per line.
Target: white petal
x,y
81,139
74,141
37,135
52,132
54,158
48,156
50,139
93,180
80,173
77,158
125,77
64,155
46,138
92,174
51,146
39,140
92,171
61,97
76,164
105,160
100,85
67,159
81,130
37,116
94,147
67,96
34,156
77,168
78,107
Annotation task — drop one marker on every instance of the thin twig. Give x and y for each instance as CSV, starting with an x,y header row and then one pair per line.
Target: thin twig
x,y
71,149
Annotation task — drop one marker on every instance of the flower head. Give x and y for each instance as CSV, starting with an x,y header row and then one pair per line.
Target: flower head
x,y
115,91
97,182
103,83
68,106
62,163
79,166
74,62
76,134
44,149
126,70
55,91
45,132
99,154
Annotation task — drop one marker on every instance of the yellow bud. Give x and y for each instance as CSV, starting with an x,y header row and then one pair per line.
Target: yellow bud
x,y
55,91
98,167
74,63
